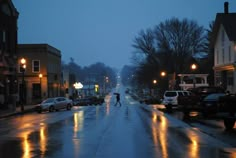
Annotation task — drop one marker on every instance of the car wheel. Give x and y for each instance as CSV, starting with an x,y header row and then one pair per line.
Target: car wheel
x,y
39,111
229,123
51,109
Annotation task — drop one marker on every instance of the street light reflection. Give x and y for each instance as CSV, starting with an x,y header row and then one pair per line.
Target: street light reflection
x,y
163,136
26,146
194,146
159,133
78,125
43,140
78,122
108,101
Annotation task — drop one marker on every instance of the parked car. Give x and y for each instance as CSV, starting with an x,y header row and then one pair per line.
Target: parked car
x,y
227,106
194,101
150,100
203,91
89,101
210,104
170,98
81,102
52,104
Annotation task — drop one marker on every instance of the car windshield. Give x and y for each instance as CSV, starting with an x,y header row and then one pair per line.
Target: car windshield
x,y
49,100
170,94
214,96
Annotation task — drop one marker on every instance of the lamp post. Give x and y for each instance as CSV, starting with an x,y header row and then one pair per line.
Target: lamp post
x,y
154,86
194,67
164,82
40,81
22,68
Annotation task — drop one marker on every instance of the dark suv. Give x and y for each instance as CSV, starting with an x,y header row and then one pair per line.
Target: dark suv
x,y
206,90
194,101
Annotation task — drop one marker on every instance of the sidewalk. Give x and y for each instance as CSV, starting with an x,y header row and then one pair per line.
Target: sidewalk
x,y
9,112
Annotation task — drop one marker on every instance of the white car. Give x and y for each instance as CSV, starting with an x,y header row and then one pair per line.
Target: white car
x,y
52,104
170,98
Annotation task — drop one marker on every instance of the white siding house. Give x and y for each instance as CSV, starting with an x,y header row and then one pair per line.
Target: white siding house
x,y
224,44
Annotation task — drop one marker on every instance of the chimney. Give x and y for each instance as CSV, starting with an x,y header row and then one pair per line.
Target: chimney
x,y
226,7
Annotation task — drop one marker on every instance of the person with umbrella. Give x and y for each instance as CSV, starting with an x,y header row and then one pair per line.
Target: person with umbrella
x,y
117,98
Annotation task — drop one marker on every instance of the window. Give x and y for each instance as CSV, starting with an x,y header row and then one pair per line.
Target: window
x,y
217,56
230,78
222,37
36,66
229,54
36,91
223,55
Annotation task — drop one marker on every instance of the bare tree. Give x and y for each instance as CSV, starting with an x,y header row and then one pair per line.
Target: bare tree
x,y
145,44
169,46
179,40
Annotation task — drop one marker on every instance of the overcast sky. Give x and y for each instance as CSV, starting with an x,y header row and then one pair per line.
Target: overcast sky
x,y
93,31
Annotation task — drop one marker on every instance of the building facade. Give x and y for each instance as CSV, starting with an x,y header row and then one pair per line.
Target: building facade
x,y
40,59
224,44
8,53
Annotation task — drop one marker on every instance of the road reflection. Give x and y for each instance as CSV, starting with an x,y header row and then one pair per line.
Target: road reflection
x,y
108,104
43,140
78,126
193,150
26,145
160,134
30,141
78,122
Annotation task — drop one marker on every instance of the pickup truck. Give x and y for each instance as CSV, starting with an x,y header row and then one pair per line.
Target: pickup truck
x,y
193,101
227,106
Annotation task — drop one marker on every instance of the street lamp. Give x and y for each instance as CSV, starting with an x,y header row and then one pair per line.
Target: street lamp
x,y
22,69
154,82
194,67
163,73
40,81
154,86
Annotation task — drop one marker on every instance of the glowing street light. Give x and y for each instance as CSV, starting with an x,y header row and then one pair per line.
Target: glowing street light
x,y
163,73
40,79
194,67
22,69
154,81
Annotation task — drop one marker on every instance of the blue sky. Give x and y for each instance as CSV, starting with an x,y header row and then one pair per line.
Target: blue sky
x,y
93,31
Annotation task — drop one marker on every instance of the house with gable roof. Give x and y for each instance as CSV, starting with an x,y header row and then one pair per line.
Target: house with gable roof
x,y
224,44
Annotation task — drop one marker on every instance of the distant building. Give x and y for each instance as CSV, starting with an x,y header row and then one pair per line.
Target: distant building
x,y
224,44
40,59
69,79
8,52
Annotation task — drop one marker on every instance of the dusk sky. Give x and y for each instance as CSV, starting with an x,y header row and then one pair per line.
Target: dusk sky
x,y
93,31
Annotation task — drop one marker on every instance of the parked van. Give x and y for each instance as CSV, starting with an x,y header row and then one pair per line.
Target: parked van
x,y
170,98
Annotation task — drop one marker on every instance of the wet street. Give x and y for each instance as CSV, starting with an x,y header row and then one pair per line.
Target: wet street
x,y
131,131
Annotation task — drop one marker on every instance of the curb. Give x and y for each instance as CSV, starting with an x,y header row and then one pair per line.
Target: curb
x,y
17,113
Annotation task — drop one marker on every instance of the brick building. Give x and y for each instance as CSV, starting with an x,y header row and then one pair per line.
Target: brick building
x,y
8,53
40,59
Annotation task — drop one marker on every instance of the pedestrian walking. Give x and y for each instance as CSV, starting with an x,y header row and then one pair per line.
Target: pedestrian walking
x,y
117,98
